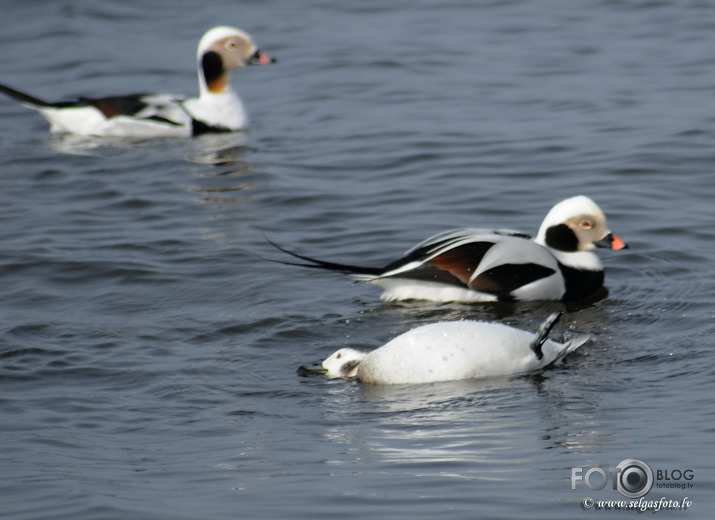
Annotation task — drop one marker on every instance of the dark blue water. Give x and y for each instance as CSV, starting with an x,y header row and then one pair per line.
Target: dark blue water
x,y
148,350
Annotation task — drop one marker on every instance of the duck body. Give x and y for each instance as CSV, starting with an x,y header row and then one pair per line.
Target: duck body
x,y
132,115
217,108
472,265
453,350
482,265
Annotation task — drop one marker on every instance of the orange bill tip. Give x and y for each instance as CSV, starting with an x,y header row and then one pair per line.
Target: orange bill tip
x,y
265,59
617,243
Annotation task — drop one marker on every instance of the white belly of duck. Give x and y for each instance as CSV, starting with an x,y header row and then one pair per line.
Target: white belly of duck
x,y
89,121
397,289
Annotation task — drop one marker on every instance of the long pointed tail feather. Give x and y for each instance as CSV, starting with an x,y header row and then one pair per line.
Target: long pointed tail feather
x,y
329,266
25,99
572,344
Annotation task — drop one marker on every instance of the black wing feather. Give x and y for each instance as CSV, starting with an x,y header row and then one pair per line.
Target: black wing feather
x,y
505,278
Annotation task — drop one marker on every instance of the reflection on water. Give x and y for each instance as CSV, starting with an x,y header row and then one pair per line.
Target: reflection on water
x,y
225,194
231,176
150,354
95,146
210,149
75,144
470,422
218,149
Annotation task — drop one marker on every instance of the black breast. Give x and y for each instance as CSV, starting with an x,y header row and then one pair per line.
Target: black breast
x,y
200,128
581,283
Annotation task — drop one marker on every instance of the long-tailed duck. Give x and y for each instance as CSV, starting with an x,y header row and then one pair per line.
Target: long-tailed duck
x,y
480,265
451,351
217,109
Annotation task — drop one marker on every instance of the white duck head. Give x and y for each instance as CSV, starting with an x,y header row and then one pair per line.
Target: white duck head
x,y
222,49
577,224
342,363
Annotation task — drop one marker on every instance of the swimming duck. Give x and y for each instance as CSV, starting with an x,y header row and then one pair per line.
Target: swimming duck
x,y
481,265
450,351
217,109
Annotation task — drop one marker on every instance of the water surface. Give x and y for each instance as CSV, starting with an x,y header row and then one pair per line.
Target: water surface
x,y
148,351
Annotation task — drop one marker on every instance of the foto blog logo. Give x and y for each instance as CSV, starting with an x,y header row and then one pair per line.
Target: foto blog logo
x,y
632,478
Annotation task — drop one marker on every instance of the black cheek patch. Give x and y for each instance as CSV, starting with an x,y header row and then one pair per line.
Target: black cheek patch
x,y
212,65
561,237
